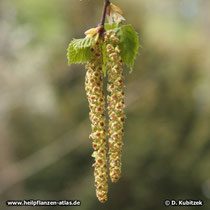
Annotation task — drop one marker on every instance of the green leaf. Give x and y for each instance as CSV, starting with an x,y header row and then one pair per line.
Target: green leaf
x,y
109,26
79,50
129,44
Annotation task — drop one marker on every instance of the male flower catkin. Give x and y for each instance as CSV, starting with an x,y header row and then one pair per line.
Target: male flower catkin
x,y
103,50
116,105
96,99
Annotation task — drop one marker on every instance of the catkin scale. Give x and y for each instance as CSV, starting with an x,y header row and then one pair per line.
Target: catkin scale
x,y
115,101
96,99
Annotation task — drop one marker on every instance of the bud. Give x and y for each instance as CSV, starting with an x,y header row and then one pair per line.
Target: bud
x,y
94,32
114,14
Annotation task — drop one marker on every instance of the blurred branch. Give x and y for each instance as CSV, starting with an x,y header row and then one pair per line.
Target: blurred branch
x,y
42,158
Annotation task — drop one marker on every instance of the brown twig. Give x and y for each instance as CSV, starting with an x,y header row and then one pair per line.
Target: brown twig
x,y
106,4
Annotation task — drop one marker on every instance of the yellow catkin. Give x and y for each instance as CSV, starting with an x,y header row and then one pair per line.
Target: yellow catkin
x,y
116,105
96,99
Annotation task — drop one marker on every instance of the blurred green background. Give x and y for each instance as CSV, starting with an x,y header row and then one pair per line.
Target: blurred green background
x,y
45,152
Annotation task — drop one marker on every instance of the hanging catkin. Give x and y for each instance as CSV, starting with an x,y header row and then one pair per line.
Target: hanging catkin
x,y
96,99
115,101
105,49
